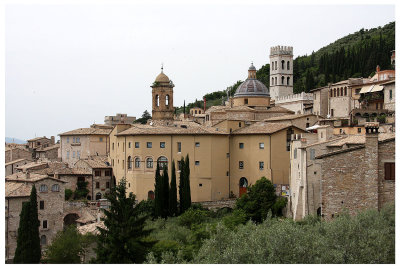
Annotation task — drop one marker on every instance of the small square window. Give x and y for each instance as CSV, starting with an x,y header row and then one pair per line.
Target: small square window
x,y
241,164
137,145
41,205
162,145
107,185
197,163
200,185
261,145
149,145
97,185
227,155
97,173
359,130
197,144
241,145
101,139
45,224
227,173
240,124
129,144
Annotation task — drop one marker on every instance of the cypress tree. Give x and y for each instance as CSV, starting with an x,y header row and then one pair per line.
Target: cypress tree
x,y
124,239
28,241
188,198
158,199
165,192
172,192
182,186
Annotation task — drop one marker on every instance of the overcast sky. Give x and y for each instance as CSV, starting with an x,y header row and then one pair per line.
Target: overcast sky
x,y
69,66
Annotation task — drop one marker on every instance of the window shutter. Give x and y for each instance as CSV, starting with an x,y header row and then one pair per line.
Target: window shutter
x,y
392,171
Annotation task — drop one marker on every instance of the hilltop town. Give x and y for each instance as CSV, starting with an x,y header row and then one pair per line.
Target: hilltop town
x,y
325,150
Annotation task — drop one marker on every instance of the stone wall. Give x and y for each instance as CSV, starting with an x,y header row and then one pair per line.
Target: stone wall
x,y
17,153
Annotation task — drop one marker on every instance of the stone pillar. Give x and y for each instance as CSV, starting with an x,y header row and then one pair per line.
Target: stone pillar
x,y
371,180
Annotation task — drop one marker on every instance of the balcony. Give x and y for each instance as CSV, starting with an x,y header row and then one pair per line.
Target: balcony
x,y
76,144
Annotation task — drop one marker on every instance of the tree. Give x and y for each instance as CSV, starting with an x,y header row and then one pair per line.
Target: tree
x,y
145,117
123,240
68,246
185,200
172,193
165,192
28,241
158,199
81,190
259,200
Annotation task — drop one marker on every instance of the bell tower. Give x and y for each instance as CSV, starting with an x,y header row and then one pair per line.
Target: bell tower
x,y
281,71
163,98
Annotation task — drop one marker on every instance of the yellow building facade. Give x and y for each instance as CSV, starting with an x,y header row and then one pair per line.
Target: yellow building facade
x,y
224,159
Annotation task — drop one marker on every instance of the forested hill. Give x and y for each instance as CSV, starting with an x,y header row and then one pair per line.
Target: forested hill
x,y
355,55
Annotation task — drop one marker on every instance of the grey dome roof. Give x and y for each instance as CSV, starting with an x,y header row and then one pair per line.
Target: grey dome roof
x,y
252,87
252,67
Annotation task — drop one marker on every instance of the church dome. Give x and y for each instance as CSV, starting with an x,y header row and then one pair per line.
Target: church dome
x,y
162,78
252,86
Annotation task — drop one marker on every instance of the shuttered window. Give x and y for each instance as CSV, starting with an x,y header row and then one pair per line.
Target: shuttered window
x,y
389,171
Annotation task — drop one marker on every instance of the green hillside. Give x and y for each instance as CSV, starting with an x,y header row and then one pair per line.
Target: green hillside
x,y
355,55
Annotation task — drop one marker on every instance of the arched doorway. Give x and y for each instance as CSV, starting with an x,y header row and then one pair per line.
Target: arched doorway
x,y
98,196
150,195
70,219
243,184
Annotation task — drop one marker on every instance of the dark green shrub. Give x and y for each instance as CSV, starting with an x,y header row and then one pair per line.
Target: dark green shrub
x,y
193,216
68,194
279,205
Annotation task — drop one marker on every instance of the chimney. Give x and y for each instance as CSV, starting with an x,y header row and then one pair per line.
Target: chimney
x,y
52,140
378,68
371,181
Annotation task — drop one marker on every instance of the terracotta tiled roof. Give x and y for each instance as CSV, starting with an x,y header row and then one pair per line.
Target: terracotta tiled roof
x,y
216,108
139,129
289,117
264,128
16,161
240,108
33,177
56,146
38,138
87,131
360,139
31,165
280,109
91,228
97,162
17,189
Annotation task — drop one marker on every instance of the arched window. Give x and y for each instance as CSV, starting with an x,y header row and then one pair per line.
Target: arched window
x,y
341,91
276,65
334,92
283,65
276,80
288,80
272,81
283,80
345,91
43,188
98,196
167,100
331,93
137,162
288,65
129,162
149,163
162,161
43,240
150,195
55,187
157,100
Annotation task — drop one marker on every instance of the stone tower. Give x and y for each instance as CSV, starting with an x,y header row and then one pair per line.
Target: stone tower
x,y
281,74
163,98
